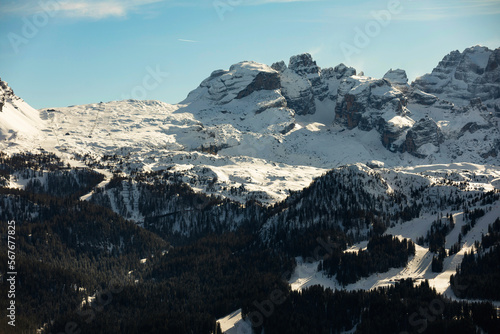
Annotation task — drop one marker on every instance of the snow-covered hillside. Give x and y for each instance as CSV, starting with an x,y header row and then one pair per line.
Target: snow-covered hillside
x,y
275,128
283,150
20,124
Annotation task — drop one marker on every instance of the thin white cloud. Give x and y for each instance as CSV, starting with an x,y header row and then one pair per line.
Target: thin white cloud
x,y
412,10
187,40
94,9
316,51
263,2
427,10
100,9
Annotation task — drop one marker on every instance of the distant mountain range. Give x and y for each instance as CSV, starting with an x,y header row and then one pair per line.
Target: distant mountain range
x,y
265,177
272,128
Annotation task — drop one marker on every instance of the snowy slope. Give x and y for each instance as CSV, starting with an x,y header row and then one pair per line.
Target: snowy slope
x,y
461,76
20,124
268,130
418,267
271,128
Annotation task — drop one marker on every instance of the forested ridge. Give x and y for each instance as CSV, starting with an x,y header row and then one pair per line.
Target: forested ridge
x,y
478,276
197,258
402,308
383,253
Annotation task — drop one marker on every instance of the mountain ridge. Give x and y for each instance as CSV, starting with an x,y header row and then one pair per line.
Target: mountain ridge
x,y
241,125
261,179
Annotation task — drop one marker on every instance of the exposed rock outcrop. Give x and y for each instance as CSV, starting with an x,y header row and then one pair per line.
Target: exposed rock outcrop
x,y
423,138
298,92
339,72
418,97
461,95
398,79
262,81
279,66
461,76
307,68
242,79
302,83
365,103
5,93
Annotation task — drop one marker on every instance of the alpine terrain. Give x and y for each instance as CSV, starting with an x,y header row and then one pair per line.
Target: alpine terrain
x,y
281,198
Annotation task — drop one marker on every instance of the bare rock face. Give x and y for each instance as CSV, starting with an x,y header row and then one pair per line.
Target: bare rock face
x,y
461,76
302,83
242,79
298,86
306,67
418,97
298,92
365,103
334,76
423,138
479,123
340,72
6,93
279,66
398,79
262,81
462,94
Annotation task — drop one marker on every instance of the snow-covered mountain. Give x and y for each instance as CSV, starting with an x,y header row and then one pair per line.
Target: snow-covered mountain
x,y
274,128
463,76
20,124
287,153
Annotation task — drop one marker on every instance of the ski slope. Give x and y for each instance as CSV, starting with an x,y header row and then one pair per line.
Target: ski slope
x,y
418,267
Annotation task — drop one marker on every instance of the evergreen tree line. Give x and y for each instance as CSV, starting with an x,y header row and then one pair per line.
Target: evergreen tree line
x,y
478,276
188,288
67,252
383,253
75,183
402,308
221,261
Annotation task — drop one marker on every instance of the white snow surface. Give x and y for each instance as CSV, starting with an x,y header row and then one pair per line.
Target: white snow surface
x,y
269,152
418,267
259,143
20,125
234,324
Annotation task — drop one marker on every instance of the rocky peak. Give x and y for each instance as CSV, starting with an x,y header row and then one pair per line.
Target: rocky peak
x,y
279,66
397,78
340,71
461,76
303,64
493,61
362,102
240,81
423,138
6,93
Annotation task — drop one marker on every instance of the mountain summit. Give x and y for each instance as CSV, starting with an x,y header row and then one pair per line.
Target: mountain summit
x,y
463,76
266,128
460,97
19,122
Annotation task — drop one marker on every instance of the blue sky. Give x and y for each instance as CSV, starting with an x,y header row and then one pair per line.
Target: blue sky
x,y
86,51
